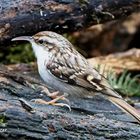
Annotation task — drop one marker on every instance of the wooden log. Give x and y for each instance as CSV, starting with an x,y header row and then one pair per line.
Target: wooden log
x,y
89,119
128,60
23,17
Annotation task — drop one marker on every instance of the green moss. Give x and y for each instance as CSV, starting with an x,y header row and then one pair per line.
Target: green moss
x,y
83,1
125,83
17,54
70,38
2,120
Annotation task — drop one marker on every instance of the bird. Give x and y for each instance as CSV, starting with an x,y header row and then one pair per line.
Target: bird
x,y
64,69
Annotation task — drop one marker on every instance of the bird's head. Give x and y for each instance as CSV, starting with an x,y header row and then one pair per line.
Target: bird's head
x,y
45,41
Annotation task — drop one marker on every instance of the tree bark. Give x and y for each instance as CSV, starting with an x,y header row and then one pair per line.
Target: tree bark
x,y
118,62
89,119
23,17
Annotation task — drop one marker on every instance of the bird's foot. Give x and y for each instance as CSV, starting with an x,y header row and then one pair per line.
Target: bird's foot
x,y
54,95
53,101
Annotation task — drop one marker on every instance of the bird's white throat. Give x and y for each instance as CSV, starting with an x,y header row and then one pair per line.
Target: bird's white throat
x,y
41,54
43,58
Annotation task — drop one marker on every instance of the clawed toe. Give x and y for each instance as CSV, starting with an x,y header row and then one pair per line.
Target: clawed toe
x,y
53,102
62,104
55,97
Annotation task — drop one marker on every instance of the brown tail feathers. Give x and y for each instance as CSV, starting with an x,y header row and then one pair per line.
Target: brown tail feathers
x,y
126,107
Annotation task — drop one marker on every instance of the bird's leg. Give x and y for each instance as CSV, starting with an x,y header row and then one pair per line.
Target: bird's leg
x,y
55,97
52,102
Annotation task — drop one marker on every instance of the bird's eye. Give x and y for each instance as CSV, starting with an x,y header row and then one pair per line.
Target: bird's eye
x,y
40,41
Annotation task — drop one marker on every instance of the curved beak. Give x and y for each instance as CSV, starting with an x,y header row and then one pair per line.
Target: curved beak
x,y
26,38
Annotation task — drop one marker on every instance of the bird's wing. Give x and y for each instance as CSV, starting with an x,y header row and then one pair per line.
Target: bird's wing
x,y
75,70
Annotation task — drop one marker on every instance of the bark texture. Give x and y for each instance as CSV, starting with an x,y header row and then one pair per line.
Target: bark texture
x,y
129,60
23,17
89,119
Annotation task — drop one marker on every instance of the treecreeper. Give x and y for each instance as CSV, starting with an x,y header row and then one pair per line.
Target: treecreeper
x,y
66,70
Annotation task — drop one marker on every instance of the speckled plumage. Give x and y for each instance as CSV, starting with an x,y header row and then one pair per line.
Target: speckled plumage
x,y
65,65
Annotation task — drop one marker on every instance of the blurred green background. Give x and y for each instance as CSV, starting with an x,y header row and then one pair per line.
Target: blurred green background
x,y
17,53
